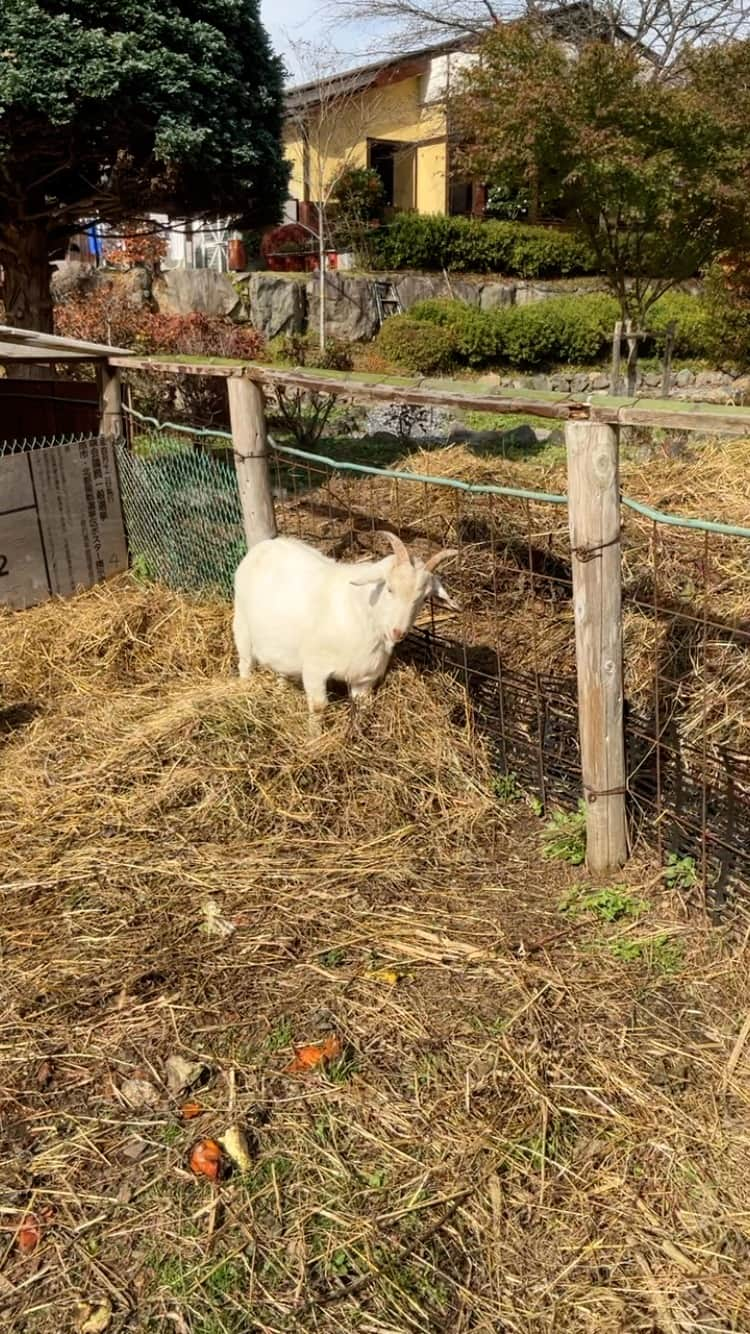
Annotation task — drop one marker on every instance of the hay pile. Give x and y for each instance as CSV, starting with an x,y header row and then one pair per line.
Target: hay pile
x,y
513,576
540,1126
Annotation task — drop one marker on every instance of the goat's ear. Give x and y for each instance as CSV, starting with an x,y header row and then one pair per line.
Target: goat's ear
x,y
439,594
371,574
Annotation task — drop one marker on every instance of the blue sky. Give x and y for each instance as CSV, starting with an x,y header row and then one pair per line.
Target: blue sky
x,y
290,21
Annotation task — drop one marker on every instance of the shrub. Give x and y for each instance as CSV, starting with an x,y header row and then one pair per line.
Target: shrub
x,y
296,349
204,336
576,329
727,311
288,239
107,316
691,317
138,243
416,345
416,241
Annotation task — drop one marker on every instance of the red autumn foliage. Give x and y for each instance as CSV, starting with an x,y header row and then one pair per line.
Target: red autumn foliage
x,y
138,244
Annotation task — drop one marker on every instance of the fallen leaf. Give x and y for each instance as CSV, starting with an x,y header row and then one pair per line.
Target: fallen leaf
x,y
235,1143
44,1074
135,1149
139,1093
315,1054
214,924
182,1075
387,975
94,1319
206,1159
190,1109
29,1234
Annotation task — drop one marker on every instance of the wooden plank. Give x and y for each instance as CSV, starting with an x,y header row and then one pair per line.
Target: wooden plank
x,y
247,410
614,374
605,408
594,518
110,400
61,523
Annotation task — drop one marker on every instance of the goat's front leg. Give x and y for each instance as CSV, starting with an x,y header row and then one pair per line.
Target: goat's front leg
x,y
314,683
361,694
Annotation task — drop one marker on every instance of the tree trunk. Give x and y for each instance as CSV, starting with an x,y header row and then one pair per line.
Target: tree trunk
x,y
321,281
24,257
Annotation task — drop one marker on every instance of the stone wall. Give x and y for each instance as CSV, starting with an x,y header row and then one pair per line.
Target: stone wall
x,y
728,387
288,303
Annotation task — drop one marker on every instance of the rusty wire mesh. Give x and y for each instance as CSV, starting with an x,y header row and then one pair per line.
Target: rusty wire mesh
x,y
686,634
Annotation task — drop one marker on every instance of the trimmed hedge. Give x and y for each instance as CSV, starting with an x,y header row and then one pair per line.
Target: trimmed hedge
x,y
468,245
572,329
417,345
567,328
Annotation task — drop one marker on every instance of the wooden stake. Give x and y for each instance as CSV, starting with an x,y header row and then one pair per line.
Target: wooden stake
x,y
110,400
594,517
631,336
247,413
614,375
667,367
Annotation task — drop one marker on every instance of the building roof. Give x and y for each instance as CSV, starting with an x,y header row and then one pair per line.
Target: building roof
x,y
28,345
363,76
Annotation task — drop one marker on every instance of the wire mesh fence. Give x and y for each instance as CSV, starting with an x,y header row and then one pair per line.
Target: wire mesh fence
x,y
686,630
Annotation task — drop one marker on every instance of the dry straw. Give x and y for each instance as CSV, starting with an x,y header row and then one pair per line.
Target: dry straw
x,y
540,1126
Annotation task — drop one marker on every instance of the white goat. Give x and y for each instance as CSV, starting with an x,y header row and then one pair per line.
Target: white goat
x,y
307,616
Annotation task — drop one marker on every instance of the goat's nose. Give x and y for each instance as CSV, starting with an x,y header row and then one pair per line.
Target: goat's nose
x,y
396,634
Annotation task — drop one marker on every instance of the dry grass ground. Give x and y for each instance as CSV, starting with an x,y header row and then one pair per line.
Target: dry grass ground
x,y
539,1119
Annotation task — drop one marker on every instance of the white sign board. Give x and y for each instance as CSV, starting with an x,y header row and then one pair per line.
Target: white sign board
x,y
61,523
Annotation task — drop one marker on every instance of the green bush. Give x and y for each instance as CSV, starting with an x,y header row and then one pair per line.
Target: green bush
x,y
726,307
566,328
416,345
468,245
693,327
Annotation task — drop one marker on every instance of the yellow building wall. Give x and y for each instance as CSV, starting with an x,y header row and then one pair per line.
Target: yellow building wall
x,y
432,178
393,112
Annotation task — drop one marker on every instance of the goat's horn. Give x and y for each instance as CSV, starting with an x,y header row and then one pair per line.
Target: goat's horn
x,y
399,550
432,562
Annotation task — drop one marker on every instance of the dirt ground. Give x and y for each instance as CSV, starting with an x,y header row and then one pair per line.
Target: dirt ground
x,y
534,1115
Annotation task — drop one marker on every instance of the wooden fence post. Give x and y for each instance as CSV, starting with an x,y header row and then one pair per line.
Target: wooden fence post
x,y
594,517
247,414
110,400
614,374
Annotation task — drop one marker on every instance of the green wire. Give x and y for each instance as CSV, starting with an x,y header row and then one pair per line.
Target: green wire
x,y
519,493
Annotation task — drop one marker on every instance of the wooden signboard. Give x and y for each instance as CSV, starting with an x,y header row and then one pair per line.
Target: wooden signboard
x,y
61,521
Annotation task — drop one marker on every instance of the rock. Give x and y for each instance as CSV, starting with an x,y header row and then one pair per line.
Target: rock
x,y
527,294
599,382
553,437
683,378
540,382
560,384
494,295
408,423
139,1093
741,389
580,383
490,381
276,304
414,287
520,437
72,278
190,291
183,1075
709,378
351,312
652,378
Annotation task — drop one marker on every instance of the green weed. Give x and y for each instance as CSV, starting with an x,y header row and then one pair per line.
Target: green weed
x,y
280,1036
662,954
610,904
564,836
506,787
680,872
